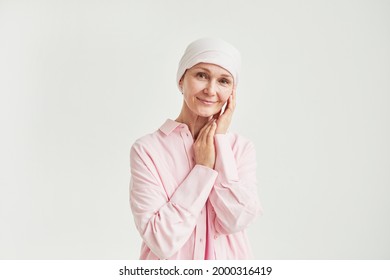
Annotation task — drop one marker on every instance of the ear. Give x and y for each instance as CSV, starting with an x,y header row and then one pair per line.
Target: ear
x,y
181,84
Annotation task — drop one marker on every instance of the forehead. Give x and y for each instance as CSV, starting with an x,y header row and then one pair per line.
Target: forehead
x,y
212,68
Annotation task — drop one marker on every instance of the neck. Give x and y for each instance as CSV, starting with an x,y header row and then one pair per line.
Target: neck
x,y
193,121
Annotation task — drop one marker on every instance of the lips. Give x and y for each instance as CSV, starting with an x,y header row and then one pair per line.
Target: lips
x,y
207,102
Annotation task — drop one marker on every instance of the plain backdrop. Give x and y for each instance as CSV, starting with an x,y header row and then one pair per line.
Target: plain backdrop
x,y
81,80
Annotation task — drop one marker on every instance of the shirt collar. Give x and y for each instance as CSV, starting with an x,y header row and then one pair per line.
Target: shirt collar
x,y
169,126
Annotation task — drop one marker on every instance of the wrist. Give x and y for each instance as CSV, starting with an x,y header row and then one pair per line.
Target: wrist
x,y
209,165
221,131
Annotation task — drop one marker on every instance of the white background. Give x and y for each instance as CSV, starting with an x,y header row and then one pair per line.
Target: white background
x,y
81,80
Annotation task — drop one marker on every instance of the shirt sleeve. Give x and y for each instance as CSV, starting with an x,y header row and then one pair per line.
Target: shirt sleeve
x,y
234,196
165,224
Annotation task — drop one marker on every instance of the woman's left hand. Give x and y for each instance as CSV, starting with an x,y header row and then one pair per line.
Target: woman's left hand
x,y
224,119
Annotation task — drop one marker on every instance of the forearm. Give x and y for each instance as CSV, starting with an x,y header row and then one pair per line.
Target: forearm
x,y
234,196
166,223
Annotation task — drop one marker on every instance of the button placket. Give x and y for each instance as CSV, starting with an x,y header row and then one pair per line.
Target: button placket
x,y
200,245
188,142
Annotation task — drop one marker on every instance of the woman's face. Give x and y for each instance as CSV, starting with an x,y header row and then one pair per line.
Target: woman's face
x,y
206,88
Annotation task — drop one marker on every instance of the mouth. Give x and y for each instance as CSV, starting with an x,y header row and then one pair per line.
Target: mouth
x,y
207,102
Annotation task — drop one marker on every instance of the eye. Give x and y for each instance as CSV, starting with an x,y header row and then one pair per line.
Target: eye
x,y
202,75
225,81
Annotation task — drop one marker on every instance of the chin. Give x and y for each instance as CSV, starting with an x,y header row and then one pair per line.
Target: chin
x,y
206,114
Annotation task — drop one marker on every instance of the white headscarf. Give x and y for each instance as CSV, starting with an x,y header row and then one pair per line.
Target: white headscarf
x,y
210,50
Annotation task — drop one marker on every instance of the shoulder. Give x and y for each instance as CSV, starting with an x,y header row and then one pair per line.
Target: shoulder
x,y
157,138
146,142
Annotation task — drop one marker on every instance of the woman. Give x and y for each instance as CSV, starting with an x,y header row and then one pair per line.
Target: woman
x,y
193,188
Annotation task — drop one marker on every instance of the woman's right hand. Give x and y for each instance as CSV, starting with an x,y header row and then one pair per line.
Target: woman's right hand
x,y
204,150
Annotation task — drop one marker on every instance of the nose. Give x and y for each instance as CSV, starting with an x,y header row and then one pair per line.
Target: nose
x,y
211,88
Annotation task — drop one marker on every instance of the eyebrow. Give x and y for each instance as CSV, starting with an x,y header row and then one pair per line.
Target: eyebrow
x,y
208,71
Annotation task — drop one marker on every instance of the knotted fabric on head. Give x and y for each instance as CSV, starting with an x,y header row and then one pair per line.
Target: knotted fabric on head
x,y
210,50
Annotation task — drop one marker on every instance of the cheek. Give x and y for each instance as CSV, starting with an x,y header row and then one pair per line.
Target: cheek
x,y
189,96
225,96
192,88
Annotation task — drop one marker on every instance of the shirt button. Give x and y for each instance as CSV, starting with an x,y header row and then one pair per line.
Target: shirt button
x,y
187,134
215,236
200,240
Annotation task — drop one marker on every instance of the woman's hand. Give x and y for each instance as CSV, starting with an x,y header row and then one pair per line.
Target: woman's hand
x,y
204,150
224,119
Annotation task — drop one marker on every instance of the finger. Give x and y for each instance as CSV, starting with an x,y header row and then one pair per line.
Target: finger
x,y
228,107
216,116
207,130
234,97
203,130
232,101
211,133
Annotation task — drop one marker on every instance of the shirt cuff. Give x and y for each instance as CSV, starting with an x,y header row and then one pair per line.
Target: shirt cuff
x,y
225,163
195,189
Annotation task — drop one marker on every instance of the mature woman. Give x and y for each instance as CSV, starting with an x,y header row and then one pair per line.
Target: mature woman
x,y
193,189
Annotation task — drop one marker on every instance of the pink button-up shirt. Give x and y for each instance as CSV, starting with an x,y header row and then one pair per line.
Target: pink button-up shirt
x,y
187,211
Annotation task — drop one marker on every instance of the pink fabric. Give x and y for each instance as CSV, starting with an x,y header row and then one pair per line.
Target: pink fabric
x,y
188,211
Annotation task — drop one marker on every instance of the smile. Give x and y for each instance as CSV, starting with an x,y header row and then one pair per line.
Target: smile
x,y
207,102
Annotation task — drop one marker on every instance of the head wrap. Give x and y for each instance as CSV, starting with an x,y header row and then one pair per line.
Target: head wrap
x,y
210,50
